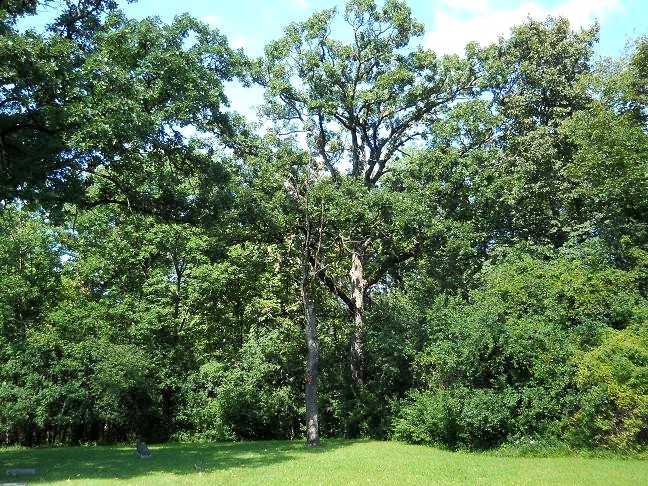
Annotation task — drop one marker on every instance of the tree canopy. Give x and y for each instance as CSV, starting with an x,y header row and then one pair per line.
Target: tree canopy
x,y
447,250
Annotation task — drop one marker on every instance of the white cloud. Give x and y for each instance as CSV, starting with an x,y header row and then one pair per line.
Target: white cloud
x,y
212,20
240,43
468,5
582,14
451,32
300,4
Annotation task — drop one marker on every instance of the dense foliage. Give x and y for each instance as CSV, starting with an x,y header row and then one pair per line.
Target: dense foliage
x,y
462,240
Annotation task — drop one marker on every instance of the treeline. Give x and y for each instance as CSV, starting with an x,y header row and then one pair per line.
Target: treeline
x,y
439,249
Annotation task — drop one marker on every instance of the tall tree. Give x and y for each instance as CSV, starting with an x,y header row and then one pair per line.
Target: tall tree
x,y
309,241
360,104
39,90
145,83
610,160
102,101
276,200
534,79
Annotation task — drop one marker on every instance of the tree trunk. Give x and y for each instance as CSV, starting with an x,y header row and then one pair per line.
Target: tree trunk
x,y
312,372
312,366
358,284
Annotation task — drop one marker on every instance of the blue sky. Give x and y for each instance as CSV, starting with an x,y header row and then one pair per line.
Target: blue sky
x,y
450,24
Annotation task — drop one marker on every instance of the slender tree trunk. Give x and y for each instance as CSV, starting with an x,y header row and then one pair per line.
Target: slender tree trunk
x,y
312,342
358,285
312,366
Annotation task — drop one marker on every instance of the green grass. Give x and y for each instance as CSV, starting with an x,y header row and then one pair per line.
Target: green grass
x,y
342,462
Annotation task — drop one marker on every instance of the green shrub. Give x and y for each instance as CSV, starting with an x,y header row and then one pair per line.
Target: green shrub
x,y
541,339
201,416
429,418
485,417
613,384
254,398
456,418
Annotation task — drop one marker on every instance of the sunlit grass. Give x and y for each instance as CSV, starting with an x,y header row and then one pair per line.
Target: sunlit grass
x,y
337,462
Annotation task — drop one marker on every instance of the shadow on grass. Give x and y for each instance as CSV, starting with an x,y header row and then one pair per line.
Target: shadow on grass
x,y
122,462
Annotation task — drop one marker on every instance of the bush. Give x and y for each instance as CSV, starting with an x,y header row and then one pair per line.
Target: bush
x,y
540,340
54,391
253,398
428,418
613,381
456,418
202,413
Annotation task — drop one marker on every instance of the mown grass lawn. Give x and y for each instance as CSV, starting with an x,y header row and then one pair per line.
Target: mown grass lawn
x,y
341,462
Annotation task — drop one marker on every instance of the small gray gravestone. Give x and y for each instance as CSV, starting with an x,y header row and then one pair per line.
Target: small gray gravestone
x,y
142,450
21,471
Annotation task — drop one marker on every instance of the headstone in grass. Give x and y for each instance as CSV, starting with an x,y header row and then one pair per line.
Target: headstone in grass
x,y
142,450
14,484
21,471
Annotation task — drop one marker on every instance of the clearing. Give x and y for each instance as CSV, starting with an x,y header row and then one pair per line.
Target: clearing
x,y
343,462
